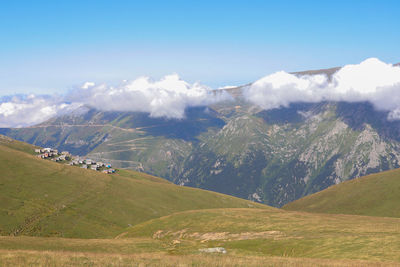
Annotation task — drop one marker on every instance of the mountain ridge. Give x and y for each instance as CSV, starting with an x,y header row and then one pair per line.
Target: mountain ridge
x,y
234,147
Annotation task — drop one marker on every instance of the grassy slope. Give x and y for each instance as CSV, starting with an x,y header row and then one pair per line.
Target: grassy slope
x,y
63,258
43,198
277,233
17,145
39,251
46,198
373,195
252,237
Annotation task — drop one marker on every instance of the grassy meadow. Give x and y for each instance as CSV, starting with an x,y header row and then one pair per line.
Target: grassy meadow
x,y
42,198
277,233
373,195
52,214
47,258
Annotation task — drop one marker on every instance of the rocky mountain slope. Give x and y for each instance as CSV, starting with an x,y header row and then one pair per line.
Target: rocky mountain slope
x,y
234,147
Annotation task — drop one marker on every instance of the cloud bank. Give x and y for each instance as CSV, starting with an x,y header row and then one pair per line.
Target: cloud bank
x,y
167,97
372,80
21,111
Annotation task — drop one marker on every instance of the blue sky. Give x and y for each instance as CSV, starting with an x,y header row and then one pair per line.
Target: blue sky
x,y
52,46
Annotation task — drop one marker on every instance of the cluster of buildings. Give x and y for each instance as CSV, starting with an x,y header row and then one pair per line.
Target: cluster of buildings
x,y
93,165
54,155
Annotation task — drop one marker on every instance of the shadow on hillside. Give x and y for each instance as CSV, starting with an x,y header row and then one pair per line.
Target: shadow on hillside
x,y
197,120
291,114
356,115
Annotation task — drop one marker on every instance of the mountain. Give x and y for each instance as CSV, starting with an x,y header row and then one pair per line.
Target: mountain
x,y
373,195
134,217
329,72
42,198
234,147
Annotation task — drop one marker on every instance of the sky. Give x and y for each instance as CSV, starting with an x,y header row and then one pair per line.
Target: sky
x,y
161,57
51,47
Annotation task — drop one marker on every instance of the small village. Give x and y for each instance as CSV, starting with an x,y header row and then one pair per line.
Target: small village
x,y
68,159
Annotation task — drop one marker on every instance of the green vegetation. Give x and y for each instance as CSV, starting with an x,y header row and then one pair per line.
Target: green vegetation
x,y
17,145
135,219
276,233
11,258
252,237
43,198
374,195
274,156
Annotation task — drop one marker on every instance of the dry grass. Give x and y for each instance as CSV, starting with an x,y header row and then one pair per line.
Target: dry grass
x,y
298,234
43,198
50,258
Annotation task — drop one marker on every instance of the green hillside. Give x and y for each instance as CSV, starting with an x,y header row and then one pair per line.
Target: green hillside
x,y
132,217
270,156
17,145
276,233
44,198
49,251
250,237
374,195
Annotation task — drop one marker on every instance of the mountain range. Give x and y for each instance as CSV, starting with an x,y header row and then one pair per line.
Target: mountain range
x,y
234,147
56,214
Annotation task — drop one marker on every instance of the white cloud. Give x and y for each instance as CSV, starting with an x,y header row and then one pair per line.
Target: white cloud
x,y
168,97
372,80
281,89
370,76
20,111
87,85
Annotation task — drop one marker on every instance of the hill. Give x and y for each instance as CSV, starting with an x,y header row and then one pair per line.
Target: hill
x,y
291,151
154,219
276,233
44,198
374,195
250,237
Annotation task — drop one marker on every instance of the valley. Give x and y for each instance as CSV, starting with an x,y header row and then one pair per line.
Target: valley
x,y
271,157
199,133
55,214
